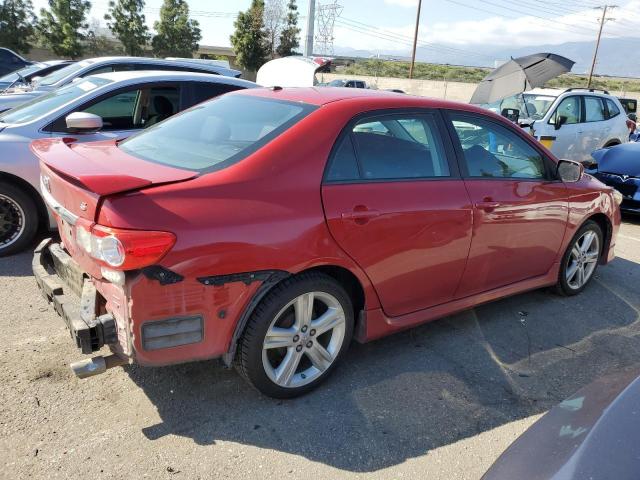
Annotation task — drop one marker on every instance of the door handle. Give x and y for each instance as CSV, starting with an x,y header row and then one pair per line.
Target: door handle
x,y
487,206
361,215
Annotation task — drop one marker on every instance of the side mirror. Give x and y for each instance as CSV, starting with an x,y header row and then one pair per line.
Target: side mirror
x,y
512,114
560,122
83,122
570,171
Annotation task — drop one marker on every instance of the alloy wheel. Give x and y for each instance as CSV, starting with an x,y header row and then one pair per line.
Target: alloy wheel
x,y
11,221
304,339
583,259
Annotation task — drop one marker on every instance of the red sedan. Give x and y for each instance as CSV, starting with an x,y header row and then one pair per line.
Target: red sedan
x,y
272,226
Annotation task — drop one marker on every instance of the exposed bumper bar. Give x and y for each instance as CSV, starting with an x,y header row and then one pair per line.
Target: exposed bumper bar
x,y
73,297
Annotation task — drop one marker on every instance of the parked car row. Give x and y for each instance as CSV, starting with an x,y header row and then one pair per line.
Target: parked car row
x,y
89,104
270,226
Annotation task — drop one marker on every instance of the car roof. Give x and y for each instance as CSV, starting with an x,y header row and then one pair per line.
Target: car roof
x,y
381,98
163,61
168,75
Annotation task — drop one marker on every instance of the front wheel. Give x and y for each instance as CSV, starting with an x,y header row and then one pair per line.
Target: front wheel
x,y
580,260
296,336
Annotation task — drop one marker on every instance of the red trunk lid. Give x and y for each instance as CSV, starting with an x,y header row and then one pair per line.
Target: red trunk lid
x,y
78,175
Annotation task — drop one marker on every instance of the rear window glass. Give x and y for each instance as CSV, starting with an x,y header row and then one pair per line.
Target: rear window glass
x,y
55,77
216,134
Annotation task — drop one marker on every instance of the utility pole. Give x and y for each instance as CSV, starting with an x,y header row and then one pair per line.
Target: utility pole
x,y
595,53
415,40
311,21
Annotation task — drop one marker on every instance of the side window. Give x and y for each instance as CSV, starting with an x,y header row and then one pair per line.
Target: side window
x,y
614,111
205,91
594,109
160,104
344,165
118,111
491,150
570,108
391,148
123,67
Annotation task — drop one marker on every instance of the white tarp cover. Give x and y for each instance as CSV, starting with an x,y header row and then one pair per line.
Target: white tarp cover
x,y
292,71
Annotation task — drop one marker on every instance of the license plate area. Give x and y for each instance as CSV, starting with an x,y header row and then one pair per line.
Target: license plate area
x,y
67,269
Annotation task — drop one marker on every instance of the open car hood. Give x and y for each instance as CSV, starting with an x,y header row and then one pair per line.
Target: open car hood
x,y
292,71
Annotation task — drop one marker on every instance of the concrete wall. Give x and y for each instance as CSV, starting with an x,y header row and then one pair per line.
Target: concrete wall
x,y
457,91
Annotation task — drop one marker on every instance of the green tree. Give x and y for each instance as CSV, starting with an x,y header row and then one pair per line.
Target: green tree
x,y
250,39
177,36
62,27
289,34
16,24
127,23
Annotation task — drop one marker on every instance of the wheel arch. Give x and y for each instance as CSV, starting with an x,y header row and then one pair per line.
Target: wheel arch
x,y
29,189
612,143
605,225
342,275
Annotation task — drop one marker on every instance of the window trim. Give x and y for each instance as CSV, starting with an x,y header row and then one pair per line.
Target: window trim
x,y
49,127
550,166
555,110
347,130
604,109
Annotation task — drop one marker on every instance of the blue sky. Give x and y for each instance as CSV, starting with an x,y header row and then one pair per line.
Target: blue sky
x,y
388,24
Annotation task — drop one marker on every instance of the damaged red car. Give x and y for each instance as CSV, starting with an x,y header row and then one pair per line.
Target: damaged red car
x,y
271,227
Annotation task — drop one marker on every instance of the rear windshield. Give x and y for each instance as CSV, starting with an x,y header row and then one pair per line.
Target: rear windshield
x,y
216,134
40,106
12,77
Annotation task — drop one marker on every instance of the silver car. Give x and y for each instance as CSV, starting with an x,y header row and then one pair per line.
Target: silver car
x,y
93,66
100,107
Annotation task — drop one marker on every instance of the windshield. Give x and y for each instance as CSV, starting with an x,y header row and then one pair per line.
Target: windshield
x,y
12,77
537,106
337,83
42,105
216,134
55,77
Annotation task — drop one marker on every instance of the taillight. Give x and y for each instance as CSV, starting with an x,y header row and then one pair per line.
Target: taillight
x,y
123,249
631,125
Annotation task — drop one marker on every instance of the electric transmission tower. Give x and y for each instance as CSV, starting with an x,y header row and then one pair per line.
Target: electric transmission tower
x,y
326,15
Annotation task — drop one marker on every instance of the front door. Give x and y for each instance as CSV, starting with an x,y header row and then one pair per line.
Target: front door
x,y
520,210
566,140
396,205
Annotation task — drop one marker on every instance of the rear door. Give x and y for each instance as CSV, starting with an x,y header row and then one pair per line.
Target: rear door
x,y
520,210
395,203
596,130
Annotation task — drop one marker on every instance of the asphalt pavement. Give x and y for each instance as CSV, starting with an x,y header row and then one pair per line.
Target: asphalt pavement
x,y
440,401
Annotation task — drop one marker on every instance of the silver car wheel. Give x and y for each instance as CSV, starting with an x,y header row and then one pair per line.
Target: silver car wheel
x,y
583,259
304,339
11,221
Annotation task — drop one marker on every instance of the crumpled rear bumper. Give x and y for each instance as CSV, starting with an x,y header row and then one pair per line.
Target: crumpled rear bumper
x,y
73,297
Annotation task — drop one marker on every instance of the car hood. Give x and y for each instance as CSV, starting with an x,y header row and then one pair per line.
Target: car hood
x,y
622,159
593,434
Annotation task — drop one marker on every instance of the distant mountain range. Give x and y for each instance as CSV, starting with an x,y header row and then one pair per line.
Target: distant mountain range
x,y
618,57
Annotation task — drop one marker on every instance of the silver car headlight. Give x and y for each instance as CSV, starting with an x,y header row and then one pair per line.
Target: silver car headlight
x,y
617,196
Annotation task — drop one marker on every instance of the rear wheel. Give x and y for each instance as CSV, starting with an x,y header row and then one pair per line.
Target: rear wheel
x,y
18,219
296,336
580,260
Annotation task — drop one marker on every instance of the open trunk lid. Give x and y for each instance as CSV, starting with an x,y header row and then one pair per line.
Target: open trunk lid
x,y
75,176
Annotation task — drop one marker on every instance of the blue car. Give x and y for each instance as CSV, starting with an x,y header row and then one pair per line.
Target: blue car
x,y
619,167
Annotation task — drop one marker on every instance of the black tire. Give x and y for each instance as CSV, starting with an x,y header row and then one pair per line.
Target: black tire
x,y
563,287
249,360
16,206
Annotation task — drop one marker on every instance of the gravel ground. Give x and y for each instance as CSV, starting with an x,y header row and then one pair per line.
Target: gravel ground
x,y
440,401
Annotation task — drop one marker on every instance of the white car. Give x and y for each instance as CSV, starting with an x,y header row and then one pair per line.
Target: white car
x,y
572,123
108,106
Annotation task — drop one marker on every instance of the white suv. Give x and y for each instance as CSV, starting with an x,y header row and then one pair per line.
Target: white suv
x,y
572,122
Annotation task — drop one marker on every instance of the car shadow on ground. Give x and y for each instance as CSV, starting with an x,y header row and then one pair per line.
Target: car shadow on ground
x,y
400,397
19,264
